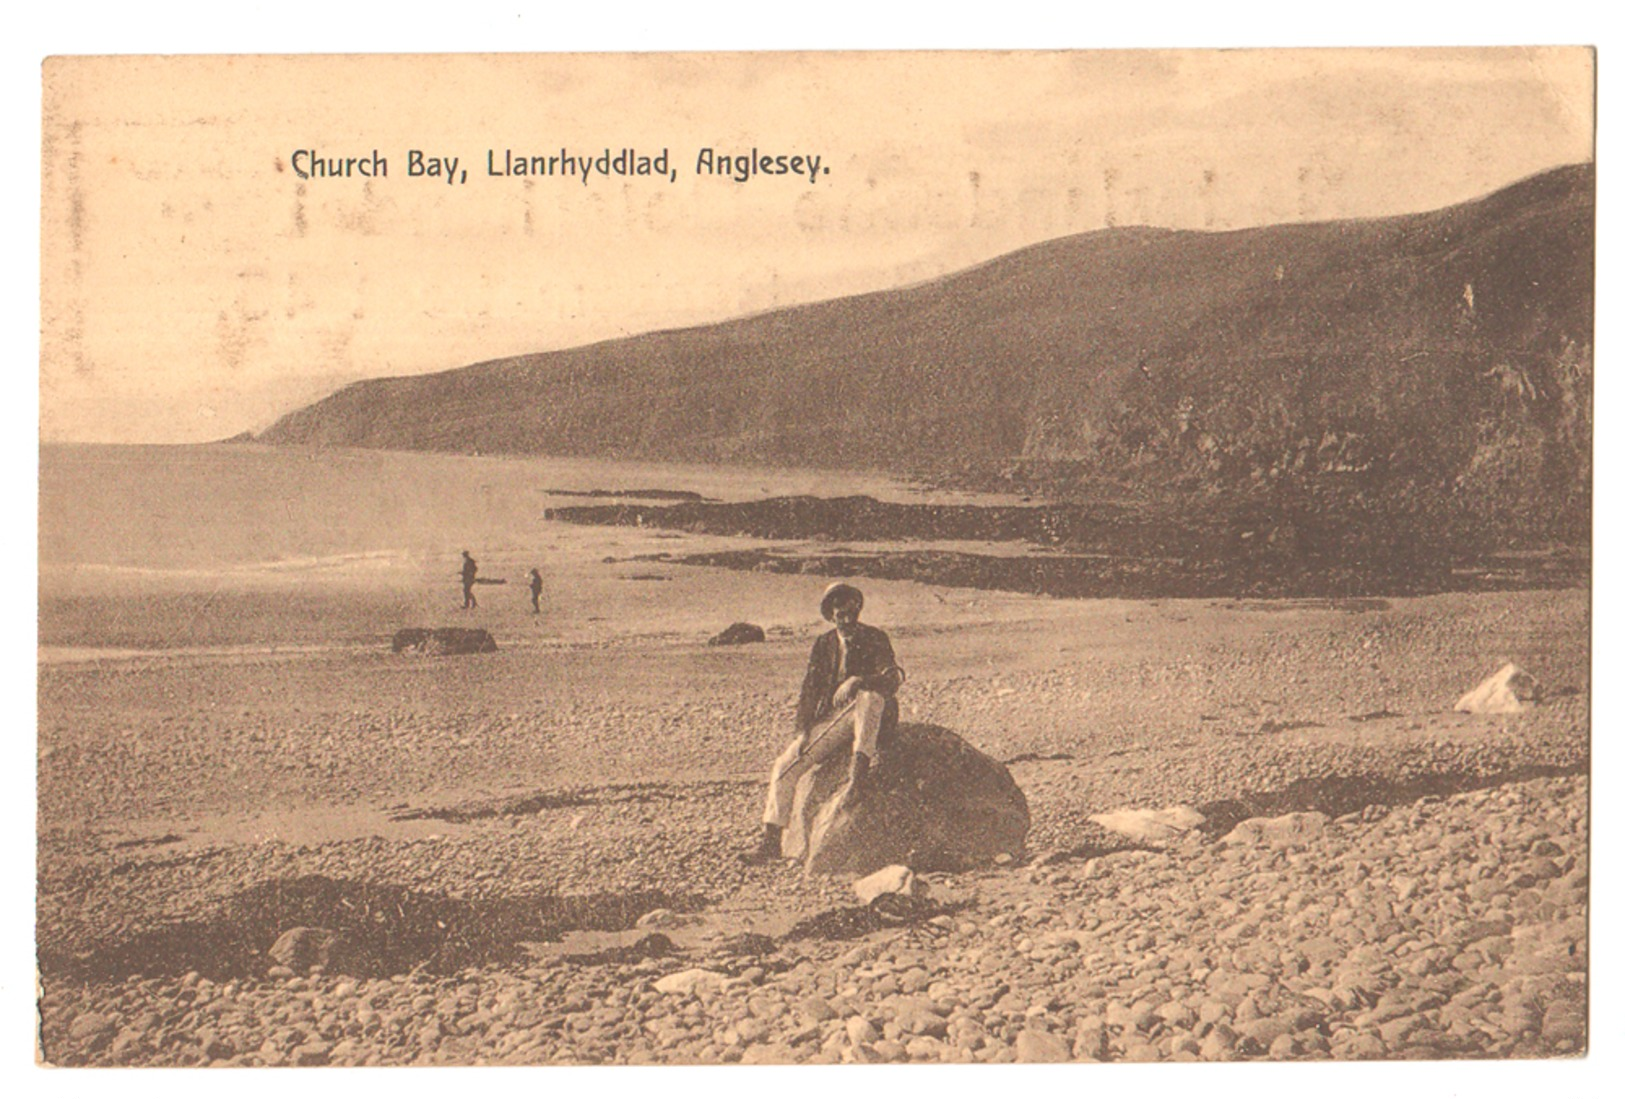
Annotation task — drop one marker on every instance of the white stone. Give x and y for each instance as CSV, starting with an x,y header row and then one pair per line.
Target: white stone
x,y
891,879
1151,826
692,980
663,917
1505,692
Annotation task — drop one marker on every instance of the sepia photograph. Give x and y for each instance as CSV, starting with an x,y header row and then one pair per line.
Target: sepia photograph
x,y
815,558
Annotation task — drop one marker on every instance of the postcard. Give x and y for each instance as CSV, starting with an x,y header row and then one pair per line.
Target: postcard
x,y
816,558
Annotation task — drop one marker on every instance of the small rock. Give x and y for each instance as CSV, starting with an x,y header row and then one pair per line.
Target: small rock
x,y
1040,1047
890,1049
1394,1031
128,1040
892,879
817,1009
1362,1046
90,1023
1263,1032
925,1048
311,1053
915,1015
764,1009
1282,831
664,918
740,633
1563,1020
771,1053
1140,1051
1176,1014
1283,1048
1092,1040
443,641
299,948
218,1048
690,981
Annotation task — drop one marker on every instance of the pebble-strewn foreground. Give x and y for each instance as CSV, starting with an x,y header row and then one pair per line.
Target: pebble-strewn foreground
x,y
1448,927
530,856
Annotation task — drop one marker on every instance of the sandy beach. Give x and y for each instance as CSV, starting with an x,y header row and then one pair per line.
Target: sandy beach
x,y
544,838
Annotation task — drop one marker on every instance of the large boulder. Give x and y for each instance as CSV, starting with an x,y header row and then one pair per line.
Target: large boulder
x,y
445,641
933,803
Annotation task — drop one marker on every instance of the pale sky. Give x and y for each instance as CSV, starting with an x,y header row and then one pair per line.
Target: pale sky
x,y
194,287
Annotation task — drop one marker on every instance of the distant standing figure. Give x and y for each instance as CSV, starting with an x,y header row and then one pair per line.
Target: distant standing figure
x,y
535,592
470,570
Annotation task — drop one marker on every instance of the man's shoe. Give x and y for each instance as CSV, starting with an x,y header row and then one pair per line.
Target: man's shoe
x,y
770,849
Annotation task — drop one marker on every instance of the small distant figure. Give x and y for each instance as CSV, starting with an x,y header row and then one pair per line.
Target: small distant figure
x,y
535,591
470,570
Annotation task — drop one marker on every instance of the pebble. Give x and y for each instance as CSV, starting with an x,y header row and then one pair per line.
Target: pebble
x,y
1041,1047
89,1025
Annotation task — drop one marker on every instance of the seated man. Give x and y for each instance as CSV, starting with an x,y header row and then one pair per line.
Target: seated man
x,y
848,700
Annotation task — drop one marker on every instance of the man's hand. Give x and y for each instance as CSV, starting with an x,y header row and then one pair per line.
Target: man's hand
x,y
847,691
801,742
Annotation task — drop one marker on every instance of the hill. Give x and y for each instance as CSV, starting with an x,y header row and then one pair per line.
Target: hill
x,y
1443,352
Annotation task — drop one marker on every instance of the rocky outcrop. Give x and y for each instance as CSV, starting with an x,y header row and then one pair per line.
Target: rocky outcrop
x,y
445,641
740,633
999,384
933,802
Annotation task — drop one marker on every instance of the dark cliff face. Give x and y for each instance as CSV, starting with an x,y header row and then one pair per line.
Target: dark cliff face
x,y
1441,351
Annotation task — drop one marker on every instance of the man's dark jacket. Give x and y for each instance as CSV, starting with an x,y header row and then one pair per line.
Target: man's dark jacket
x,y
869,656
